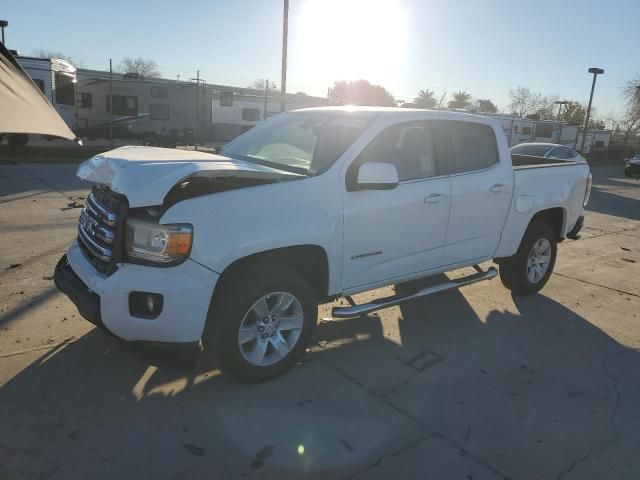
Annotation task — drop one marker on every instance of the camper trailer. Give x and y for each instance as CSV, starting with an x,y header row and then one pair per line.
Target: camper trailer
x,y
166,112
233,112
520,130
56,78
596,140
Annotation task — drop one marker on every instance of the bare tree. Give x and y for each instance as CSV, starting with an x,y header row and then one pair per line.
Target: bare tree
x,y
629,124
44,53
525,102
141,66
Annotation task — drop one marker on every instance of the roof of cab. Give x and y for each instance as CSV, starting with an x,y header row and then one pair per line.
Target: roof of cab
x,y
369,111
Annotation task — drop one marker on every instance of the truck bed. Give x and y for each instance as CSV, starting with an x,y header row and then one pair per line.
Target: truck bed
x,y
529,161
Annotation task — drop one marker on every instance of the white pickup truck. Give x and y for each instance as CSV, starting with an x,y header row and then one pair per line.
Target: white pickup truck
x,y
237,250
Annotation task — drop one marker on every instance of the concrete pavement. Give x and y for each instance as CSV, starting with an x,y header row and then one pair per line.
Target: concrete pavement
x,y
474,384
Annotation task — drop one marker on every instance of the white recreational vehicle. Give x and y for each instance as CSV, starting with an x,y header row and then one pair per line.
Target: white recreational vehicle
x,y
56,78
520,130
166,112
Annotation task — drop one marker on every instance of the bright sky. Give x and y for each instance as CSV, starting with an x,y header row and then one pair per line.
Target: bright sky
x,y
483,47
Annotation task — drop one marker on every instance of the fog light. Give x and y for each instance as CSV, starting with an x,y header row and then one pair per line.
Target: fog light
x,y
145,304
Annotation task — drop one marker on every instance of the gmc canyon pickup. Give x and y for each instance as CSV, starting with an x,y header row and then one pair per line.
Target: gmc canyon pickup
x,y
238,249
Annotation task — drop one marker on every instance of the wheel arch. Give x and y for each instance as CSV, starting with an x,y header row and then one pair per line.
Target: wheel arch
x,y
518,223
311,261
555,217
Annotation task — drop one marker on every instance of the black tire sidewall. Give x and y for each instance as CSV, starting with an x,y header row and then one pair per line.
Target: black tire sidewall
x,y
517,274
237,295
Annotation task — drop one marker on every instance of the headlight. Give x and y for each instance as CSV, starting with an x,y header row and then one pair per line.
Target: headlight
x,y
159,244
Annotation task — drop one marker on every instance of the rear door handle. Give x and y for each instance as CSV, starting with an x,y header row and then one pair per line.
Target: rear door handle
x,y
497,188
434,198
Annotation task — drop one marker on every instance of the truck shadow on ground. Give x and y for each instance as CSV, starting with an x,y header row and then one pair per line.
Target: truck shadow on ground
x,y
527,392
611,203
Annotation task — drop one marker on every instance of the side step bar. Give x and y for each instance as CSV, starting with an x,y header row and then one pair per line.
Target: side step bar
x,y
379,304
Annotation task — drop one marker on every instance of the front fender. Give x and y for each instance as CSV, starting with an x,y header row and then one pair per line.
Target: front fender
x,y
234,224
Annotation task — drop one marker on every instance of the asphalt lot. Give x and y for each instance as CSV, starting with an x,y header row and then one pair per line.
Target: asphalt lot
x,y
474,384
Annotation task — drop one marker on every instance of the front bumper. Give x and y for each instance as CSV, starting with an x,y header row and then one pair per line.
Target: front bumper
x,y
104,300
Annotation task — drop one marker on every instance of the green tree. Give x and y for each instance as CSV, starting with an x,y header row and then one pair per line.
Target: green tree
x,y
573,112
425,99
487,106
360,92
460,100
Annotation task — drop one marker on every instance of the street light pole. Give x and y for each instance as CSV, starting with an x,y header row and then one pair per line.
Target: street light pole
x,y
596,72
285,34
560,103
3,23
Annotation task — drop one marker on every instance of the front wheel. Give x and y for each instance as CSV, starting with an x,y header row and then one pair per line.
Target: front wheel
x,y
262,321
530,268
627,172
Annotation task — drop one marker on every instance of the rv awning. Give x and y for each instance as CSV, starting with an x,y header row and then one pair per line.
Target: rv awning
x,y
23,107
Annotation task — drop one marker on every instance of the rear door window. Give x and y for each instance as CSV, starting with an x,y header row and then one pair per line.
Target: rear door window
x,y
472,146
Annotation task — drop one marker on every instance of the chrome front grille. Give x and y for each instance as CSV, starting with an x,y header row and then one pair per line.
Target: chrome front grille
x,y
98,225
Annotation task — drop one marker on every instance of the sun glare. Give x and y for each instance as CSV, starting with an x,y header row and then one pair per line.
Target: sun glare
x,y
351,39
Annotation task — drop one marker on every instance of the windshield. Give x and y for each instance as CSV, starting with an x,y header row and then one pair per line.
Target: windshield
x,y
301,142
531,149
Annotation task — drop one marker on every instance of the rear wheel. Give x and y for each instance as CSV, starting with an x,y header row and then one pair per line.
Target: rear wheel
x,y
262,321
530,268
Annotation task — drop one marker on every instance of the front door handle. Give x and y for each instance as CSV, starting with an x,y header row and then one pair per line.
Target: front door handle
x,y
434,198
497,188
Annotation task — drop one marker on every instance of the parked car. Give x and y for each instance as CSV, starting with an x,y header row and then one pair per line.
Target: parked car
x,y
632,166
547,150
238,249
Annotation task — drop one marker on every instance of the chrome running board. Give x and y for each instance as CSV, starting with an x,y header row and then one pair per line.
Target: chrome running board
x,y
379,304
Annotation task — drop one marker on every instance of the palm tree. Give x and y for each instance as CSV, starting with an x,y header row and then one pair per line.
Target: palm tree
x,y
425,99
460,100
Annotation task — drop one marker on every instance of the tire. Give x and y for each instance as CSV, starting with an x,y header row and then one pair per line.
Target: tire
x,y
236,305
516,273
627,172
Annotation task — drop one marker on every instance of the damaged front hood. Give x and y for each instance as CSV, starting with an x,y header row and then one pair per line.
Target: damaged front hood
x,y
146,174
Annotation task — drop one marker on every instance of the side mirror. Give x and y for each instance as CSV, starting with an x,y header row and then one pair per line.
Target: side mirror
x,y
377,176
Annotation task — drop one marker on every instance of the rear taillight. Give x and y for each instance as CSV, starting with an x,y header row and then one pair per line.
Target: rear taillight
x,y
587,192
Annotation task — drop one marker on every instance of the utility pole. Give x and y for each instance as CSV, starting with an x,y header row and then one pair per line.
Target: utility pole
x,y
560,103
197,109
285,34
596,72
110,103
266,94
3,23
